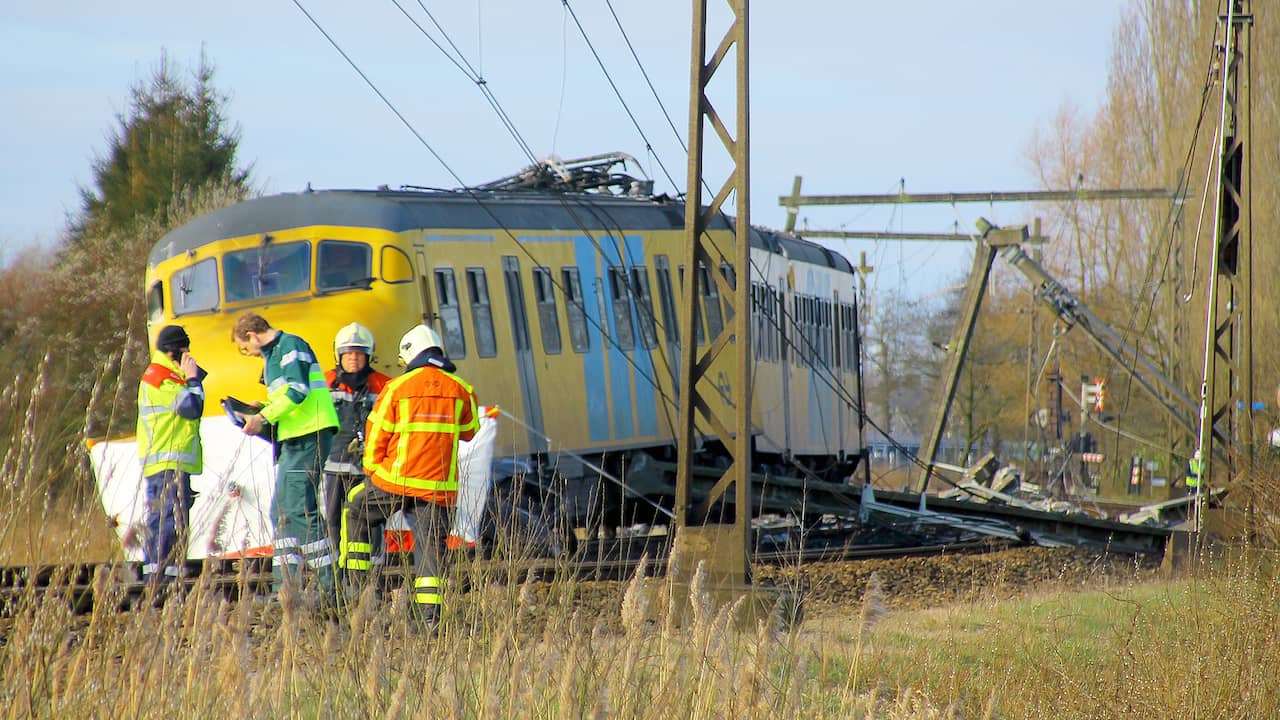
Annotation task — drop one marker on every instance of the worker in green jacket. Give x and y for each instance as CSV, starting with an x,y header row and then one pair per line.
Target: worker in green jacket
x,y
299,406
170,403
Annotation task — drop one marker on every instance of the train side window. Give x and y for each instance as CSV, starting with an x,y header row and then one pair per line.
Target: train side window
x,y
574,310
710,303
833,333
155,302
828,345
757,321
195,289
481,312
851,335
772,324
815,344
820,350
455,342
670,325
811,331
644,306
620,296
731,277
779,310
267,270
396,266
548,317
343,265
793,330
698,335
824,331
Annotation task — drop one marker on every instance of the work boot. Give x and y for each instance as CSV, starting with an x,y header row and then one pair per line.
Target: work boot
x,y
424,621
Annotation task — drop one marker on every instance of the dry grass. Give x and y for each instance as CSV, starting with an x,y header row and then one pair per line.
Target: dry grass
x,y
1203,645
203,657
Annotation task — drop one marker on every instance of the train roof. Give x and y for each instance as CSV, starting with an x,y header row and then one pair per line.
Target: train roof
x,y
400,210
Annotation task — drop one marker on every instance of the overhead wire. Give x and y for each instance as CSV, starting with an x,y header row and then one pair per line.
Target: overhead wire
x,y
645,73
591,46
386,101
471,75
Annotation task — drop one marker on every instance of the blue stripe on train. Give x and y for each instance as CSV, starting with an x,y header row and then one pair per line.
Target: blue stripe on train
x,y
593,370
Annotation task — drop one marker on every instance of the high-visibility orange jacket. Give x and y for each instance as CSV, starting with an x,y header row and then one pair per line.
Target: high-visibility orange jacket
x,y
411,438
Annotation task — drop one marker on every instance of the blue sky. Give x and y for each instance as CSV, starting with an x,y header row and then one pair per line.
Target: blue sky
x,y
853,95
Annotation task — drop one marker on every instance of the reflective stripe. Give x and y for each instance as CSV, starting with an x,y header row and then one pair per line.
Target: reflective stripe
x,y
353,564
163,456
427,590
359,547
286,542
290,559
419,483
295,355
341,395
150,568
331,466
145,410
322,561
436,427
171,571
312,548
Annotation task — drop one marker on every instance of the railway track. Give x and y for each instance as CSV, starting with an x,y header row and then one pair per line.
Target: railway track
x,y
84,585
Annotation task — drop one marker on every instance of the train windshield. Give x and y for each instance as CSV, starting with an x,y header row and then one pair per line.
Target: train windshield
x,y
267,270
341,265
195,288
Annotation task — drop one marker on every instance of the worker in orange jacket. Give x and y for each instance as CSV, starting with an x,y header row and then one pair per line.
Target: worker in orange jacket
x,y
411,464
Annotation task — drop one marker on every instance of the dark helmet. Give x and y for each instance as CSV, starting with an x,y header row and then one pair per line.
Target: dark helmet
x,y
172,338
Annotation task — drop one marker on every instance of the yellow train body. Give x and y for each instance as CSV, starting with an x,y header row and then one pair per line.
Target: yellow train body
x,y
559,309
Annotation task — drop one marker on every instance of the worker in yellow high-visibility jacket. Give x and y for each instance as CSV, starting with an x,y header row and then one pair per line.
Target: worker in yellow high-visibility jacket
x,y
170,403
1195,467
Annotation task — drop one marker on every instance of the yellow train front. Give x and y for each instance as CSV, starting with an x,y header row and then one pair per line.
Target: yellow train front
x,y
558,307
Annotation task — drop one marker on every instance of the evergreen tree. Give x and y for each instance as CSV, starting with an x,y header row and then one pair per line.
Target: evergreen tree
x,y
174,138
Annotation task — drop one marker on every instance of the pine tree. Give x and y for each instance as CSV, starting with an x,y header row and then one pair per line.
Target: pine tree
x,y
173,139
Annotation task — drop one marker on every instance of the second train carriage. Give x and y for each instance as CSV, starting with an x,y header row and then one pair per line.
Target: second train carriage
x,y
558,307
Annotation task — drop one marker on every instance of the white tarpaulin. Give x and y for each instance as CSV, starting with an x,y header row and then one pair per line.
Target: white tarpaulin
x,y
475,471
232,496
231,514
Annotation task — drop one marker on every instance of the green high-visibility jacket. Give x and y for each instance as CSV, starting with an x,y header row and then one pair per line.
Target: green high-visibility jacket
x,y
1194,469
298,401
169,410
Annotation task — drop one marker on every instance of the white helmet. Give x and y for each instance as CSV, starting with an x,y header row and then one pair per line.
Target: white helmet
x,y
353,337
416,340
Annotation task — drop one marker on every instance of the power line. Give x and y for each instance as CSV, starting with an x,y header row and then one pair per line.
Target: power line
x,y
648,145
679,138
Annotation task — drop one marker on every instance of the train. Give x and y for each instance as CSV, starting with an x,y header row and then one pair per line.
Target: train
x,y
559,307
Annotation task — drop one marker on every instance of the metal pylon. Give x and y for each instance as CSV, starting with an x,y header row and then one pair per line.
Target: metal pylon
x,y
699,398
1227,385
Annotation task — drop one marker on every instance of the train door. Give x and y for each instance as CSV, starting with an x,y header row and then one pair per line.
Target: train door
x,y
424,289
526,368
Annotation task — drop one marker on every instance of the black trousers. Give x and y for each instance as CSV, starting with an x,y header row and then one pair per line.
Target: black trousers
x,y
367,509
